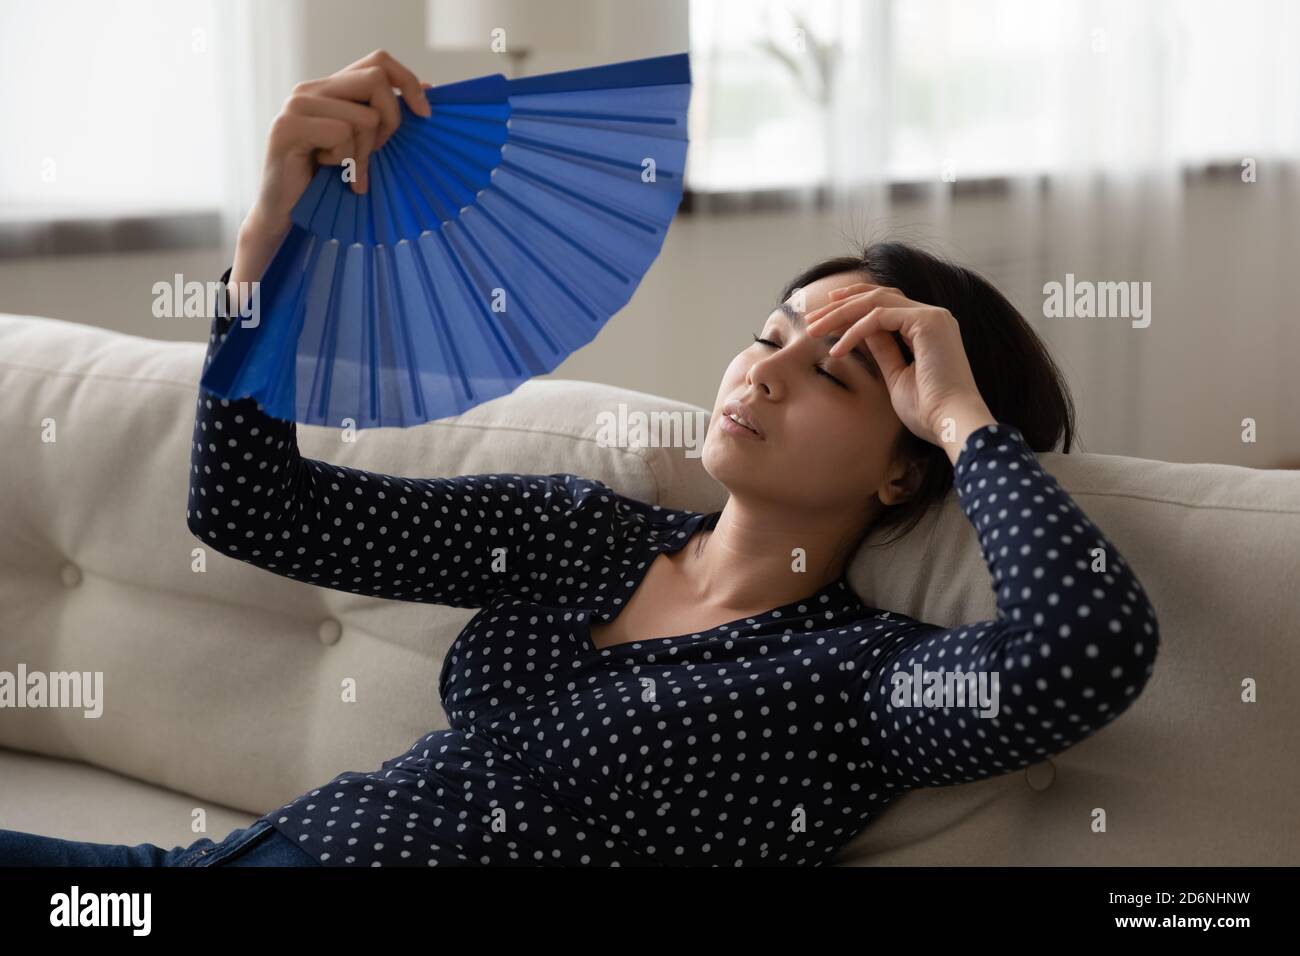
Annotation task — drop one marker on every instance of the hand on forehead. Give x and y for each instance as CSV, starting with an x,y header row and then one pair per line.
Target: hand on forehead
x,y
825,290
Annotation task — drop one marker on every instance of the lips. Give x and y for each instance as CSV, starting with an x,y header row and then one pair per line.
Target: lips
x,y
746,417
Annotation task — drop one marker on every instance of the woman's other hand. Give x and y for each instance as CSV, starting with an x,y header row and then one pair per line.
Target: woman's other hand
x,y
934,395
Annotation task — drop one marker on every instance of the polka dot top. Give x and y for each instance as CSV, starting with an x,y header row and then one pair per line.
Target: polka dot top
x,y
768,740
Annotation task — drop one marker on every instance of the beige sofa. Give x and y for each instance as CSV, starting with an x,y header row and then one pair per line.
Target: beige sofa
x,y
209,675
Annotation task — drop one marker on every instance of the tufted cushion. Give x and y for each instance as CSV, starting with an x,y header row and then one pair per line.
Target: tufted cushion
x,y
208,675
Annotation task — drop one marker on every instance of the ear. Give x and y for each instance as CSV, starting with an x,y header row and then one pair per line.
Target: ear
x,y
902,481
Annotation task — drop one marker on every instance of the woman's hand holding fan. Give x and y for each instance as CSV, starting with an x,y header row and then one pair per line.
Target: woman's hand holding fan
x,y
346,115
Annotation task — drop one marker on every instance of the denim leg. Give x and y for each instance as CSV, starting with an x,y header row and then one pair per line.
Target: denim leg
x,y
258,844
271,849
32,849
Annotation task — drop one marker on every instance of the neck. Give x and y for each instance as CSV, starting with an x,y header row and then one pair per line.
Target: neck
x,y
751,560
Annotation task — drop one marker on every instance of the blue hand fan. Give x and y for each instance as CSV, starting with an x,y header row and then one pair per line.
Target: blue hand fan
x,y
496,238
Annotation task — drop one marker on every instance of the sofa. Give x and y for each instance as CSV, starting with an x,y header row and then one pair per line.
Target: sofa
x,y
211,667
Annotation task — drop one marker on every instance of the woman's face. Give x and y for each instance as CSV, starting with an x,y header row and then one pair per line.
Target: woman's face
x,y
826,445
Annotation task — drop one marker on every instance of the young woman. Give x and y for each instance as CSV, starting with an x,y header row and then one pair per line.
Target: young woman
x,y
648,686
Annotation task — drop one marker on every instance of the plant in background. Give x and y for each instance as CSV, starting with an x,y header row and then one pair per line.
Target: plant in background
x,y
812,64
810,61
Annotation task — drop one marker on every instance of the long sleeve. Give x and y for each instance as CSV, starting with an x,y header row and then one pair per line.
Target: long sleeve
x,y
1073,643
456,541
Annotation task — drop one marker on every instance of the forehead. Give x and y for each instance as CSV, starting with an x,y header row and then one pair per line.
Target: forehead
x,y
817,293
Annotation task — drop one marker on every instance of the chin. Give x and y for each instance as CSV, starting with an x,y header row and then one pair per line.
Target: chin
x,y
729,470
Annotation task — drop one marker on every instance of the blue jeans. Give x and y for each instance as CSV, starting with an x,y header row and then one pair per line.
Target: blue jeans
x,y
258,844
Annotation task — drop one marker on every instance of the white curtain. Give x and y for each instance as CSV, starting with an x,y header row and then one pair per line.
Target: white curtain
x,y
1112,87
1095,113
135,107
262,41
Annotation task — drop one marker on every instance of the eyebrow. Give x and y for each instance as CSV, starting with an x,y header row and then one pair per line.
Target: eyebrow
x,y
865,359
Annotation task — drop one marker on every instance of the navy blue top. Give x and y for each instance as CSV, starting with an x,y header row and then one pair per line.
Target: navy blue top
x,y
768,740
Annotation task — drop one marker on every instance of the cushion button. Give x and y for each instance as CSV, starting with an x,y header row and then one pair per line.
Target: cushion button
x,y
330,631
1040,776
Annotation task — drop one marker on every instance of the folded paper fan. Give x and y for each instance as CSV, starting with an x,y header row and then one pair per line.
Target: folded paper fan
x,y
496,238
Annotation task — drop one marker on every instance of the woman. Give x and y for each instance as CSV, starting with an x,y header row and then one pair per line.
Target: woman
x,y
778,721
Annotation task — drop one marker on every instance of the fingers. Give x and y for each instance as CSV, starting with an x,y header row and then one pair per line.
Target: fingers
x,y
838,296
884,347
366,85
398,75
879,319
362,120
365,146
361,95
850,289
842,310
406,81
308,133
357,114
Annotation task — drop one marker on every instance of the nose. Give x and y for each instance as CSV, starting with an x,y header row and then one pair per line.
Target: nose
x,y
765,375
760,378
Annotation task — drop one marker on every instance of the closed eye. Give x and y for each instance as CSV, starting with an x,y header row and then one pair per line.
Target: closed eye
x,y
820,368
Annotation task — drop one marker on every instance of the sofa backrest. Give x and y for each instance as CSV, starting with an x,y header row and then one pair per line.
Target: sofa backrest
x,y
227,682
1193,773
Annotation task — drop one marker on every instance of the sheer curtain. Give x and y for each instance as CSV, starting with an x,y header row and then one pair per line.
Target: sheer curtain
x,y
139,107
1094,114
1096,111
263,40
934,90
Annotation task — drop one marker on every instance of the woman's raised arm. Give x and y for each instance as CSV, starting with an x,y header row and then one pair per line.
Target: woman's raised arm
x,y
252,496
456,541
1073,644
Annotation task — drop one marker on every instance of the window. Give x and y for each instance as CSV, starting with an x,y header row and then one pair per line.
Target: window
x,y
109,107
908,90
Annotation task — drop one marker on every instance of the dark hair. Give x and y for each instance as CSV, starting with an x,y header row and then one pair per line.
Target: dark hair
x,y
1015,374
